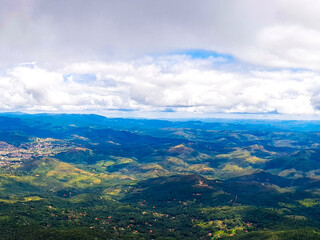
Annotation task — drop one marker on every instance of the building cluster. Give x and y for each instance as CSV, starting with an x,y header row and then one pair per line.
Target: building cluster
x,y
11,155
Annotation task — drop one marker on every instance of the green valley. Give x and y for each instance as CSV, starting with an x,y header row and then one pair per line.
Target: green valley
x,y
90,177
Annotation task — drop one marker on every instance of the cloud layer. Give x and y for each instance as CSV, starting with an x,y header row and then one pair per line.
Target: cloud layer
x,y
170,83
276,33
98,56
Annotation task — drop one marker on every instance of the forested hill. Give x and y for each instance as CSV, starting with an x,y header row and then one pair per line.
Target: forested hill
x,y
73,176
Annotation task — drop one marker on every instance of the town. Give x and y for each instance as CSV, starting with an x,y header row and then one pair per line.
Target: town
x,y
12,156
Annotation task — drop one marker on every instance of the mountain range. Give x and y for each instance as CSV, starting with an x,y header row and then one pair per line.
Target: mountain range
x,y
73,176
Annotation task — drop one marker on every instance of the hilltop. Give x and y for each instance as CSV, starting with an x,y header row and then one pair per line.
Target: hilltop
x,y
82,176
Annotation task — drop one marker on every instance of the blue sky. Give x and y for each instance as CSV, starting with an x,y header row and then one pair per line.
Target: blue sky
x,y
203,53
176,58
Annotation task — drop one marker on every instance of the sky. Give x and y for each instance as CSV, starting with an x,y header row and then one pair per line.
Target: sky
x,y
168,58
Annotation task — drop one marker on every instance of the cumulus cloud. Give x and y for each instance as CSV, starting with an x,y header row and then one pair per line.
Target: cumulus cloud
x,y
177,83
98,56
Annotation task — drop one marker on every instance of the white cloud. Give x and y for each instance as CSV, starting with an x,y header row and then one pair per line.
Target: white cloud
x,y
148,84
277,33
96,55
284,46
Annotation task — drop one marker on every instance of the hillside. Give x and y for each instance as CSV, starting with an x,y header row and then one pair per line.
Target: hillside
x,y
87,176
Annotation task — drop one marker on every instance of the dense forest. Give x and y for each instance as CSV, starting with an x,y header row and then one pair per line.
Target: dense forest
x,y
90,177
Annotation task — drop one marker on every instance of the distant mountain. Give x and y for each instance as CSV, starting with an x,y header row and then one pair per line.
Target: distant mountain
x,y
73,176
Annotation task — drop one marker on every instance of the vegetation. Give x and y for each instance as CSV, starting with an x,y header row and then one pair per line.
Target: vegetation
x,y
89,177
